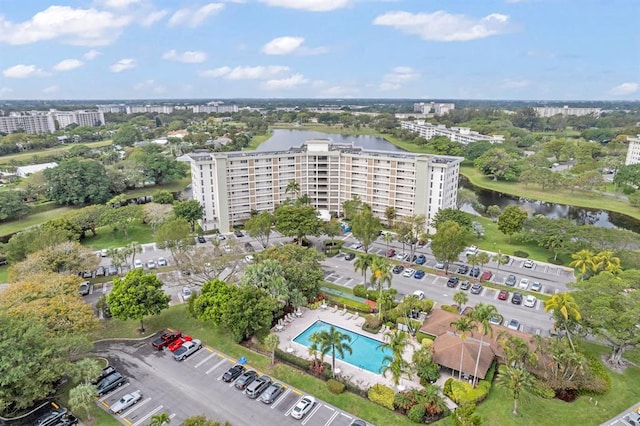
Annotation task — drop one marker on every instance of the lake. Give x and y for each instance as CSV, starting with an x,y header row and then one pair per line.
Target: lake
x,y
283,139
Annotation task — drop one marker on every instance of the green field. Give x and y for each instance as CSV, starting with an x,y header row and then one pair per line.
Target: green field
x,y
29,155
108,238
7,228
256,141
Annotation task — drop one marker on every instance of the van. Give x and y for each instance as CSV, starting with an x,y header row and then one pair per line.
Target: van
x,y
109,383
258,386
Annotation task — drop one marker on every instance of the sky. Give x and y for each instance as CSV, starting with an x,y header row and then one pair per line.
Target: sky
x,y
418,49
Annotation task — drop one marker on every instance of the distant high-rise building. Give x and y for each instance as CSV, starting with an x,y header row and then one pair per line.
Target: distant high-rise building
x,y
33,122
433,107
463,135
633,152
138,109
566,110
81,118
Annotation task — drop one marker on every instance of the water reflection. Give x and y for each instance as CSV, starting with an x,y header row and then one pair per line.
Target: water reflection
x,y
283,139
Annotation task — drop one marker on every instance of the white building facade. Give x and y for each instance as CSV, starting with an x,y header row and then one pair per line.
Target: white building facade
x,y
463,135
232,185
633,152
566,110
81,118
433,108
29,122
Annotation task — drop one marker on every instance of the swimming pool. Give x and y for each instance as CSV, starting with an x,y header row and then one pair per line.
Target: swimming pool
x,y
365,353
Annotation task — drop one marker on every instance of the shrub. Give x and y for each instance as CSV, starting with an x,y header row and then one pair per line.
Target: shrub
x,y
426,342
413,324
520,253
542,389
392,315
372,295
555,261
335,386
421,336
292,360
360,290
449,308
596,379
372,324
416,413
464,393
381,395
446,388
357,306
426,305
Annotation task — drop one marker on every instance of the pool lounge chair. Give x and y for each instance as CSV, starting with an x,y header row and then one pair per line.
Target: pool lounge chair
x,y
348,316
335,309
344,311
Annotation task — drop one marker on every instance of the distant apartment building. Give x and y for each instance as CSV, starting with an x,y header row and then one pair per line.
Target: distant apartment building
x,y
633,152
433,107
214,109
232,185
463,135
566,110
81,118
140,109
34,122
113,108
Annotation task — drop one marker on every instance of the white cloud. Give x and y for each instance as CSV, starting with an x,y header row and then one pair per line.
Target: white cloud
x,y
119,4
192,17
23,71
150,85
399,75
514,83
68,65
625,89
92,54
310,5
123,64
286,83
288,45
246,73
51,89
81,27
152,17
443,26
188,57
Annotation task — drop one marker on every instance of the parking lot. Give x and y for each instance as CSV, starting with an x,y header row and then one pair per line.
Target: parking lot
x,y
195,386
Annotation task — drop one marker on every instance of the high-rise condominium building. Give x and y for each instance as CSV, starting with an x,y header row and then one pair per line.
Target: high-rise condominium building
x,y
566,110
232,185
28,122
463,135
633,152
81,118
435,108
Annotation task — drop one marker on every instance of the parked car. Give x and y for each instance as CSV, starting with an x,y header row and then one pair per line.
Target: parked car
x,y
536,286
465,285
524,284
517,299
151,264
496,320
408,273
258,386
165,339
100,272
511,280
109,383
137,264
349,256
107,371
463,269
249,247
162,261
503,295
452,282
201,239
397,269
271,393
530,301
103,253
187,349
249,258
439,264
221,237
513,324
475,272
419,274
238,233
357,422
186,293
173,346
304,405
356,246
112,270
421,259
419,294
246,379
391,252
233,373
476,288
486,275
528,263
52,418
125,402
86,274
84,288
401,256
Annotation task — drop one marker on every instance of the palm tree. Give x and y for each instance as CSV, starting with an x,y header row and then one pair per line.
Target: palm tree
x,y
134,248
390,214
271,342
397,366
333,341
564,308
293,187
159,419
460,298
396,342
480,315
86,370
606,261
583,260
463,325
380,274
362,263
431,397
515,380
82,396
388,238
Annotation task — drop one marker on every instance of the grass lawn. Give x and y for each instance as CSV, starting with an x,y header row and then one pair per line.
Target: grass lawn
x,y
4,274
580,199
23,156
32,220
98,415
108,238
256,141
174,186
178,318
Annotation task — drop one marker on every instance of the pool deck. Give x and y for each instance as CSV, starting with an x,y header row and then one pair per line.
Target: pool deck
x,y
359,376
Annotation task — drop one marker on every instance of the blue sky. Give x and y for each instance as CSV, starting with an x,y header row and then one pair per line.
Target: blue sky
x,y
471,49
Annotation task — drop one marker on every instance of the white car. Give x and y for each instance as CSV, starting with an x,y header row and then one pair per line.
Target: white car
x,y
524,284
226,248
304,405
355,246
137,264
186,293
151,264
513,324
536,286
162,261
401,256
528,263
248,258
408,272
125,402
530,301
103,253
419,294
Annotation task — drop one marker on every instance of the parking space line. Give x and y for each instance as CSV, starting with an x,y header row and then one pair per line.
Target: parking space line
x,y
282,397
205,360
346,415
304,422
216,366
127,421
148,415
135,407
332,417
291,408
113,392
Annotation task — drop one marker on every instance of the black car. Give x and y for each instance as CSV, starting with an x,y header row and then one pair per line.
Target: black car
x,y
272,393
248,247
463,269
233,373
397,269
452,282
107,371
52,417
349,256
201,239
258,386
110,382
476,288
238,233
244,380
475,272
465,285
516,299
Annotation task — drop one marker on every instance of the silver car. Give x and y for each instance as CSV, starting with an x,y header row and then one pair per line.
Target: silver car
x,y
272,393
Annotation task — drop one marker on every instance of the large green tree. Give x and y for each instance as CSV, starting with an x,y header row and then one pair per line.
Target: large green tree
x,y
67,257
87,218
499,163
122,217
297,221
249,312
127,135
449,241
511,220
259,227
12,205
136,296
77,182
174,235
159,168
32,240
302,268
458,216
365,227
191,211
628,175
210,304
